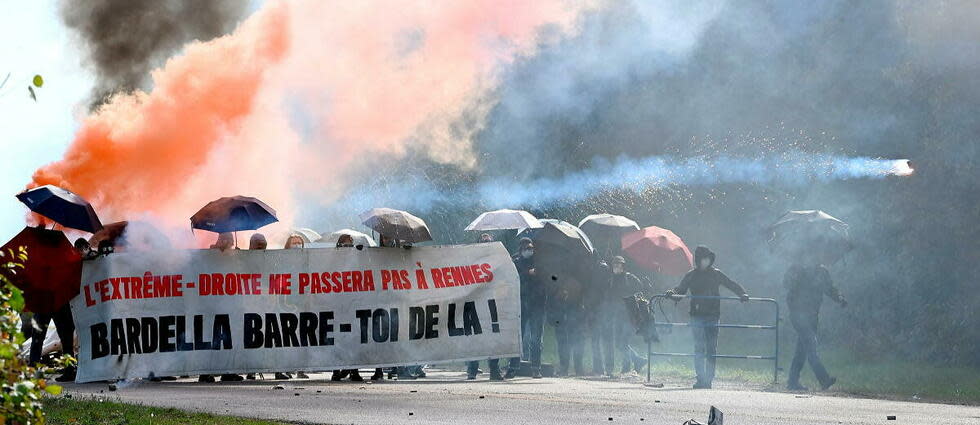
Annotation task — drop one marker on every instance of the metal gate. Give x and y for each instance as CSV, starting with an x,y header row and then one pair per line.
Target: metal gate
x,y
774,327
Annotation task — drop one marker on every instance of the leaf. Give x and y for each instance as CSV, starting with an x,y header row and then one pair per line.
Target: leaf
x,y
38,81
53,389
31,89
16,299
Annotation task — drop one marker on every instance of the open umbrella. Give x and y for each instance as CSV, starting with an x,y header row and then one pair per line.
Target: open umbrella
x,y
606,230
137,235
308,235
810,233
359,238
53,271
585,238
504,220
658,249
62,206
396,224
561,240
233,214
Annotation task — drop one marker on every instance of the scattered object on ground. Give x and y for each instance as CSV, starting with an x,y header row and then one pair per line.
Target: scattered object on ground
x,y
804,396
715,417
610,419
414,391
296,394
654,385
278,387
656,401
482,397
410,413
319,391
112,387
892,417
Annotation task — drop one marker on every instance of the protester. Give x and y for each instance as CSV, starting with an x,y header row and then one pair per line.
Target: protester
x,y
346,241
617,330
566,312
806,286
224,242
256,242
473,367
704,281
533,300
64,325
294,241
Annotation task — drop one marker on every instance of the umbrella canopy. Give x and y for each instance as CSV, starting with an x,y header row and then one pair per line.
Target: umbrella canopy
x,y
233,214
308,235
359,237
396,224
62,206
606,230
137,235
561,239
53,271
585,238
658,249
810,234
504,220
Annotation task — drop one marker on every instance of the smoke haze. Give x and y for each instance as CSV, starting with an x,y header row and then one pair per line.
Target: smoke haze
x,y
125,39
733,110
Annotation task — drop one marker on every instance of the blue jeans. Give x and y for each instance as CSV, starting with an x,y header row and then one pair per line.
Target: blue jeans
x,y
705,333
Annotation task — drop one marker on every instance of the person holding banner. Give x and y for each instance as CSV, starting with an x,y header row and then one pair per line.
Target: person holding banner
x,y
533,299
256,242
473,367
346,241
294,241
224,242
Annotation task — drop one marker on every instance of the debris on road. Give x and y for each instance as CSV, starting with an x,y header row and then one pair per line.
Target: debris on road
x,y
891,417
278,387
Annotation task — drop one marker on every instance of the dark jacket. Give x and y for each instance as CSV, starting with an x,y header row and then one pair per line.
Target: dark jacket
x,y
706,283
533,292
806,287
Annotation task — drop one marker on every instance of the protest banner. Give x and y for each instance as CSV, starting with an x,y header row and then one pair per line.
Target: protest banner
x,y
210,312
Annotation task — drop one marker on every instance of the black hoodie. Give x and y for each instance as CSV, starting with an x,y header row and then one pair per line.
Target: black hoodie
x,y
706,283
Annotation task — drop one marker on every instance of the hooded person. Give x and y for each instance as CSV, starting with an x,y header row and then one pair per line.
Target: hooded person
x,y
615,329
806,286
704,281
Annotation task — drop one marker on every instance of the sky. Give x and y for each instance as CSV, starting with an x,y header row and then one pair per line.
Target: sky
x,y
34,133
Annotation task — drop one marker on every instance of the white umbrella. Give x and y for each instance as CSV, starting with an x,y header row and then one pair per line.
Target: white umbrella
x,y
308,235
359,237
505,219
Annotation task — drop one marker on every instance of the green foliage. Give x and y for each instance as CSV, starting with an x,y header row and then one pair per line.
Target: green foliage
x,y
22,389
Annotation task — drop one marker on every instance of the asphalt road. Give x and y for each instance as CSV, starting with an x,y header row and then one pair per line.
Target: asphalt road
x,y
446,398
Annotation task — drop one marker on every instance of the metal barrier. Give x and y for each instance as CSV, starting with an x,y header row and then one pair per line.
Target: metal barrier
x,y
774,326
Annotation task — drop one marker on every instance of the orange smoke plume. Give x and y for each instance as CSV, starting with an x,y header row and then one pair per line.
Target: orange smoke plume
x,y
366,76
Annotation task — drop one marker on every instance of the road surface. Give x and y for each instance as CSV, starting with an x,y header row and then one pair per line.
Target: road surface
x,y
446,398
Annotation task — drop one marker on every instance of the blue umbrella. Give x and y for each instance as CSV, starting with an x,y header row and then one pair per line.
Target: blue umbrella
x,y
233,214
62,206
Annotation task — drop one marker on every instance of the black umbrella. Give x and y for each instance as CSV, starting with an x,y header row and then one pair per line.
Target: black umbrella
x,y
558,243
233,214
62,206
396,224
606,230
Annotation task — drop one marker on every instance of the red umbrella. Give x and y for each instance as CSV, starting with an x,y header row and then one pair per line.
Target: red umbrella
x,y
53,270
658,249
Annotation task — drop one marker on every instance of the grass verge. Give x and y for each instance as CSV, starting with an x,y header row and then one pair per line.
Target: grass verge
x,y
60,410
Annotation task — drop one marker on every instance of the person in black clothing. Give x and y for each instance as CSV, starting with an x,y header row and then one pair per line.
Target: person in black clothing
x,y
473,367
64,324
806,286
534,297
704,281
617,327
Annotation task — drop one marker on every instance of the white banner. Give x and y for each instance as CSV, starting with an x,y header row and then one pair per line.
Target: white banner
x,y
208,312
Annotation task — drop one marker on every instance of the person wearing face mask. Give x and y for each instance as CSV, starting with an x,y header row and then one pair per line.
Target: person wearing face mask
x,y
806,285
534,297
705,280
615,333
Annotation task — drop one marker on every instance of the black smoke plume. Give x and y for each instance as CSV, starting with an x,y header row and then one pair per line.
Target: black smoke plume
x,y
125,39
